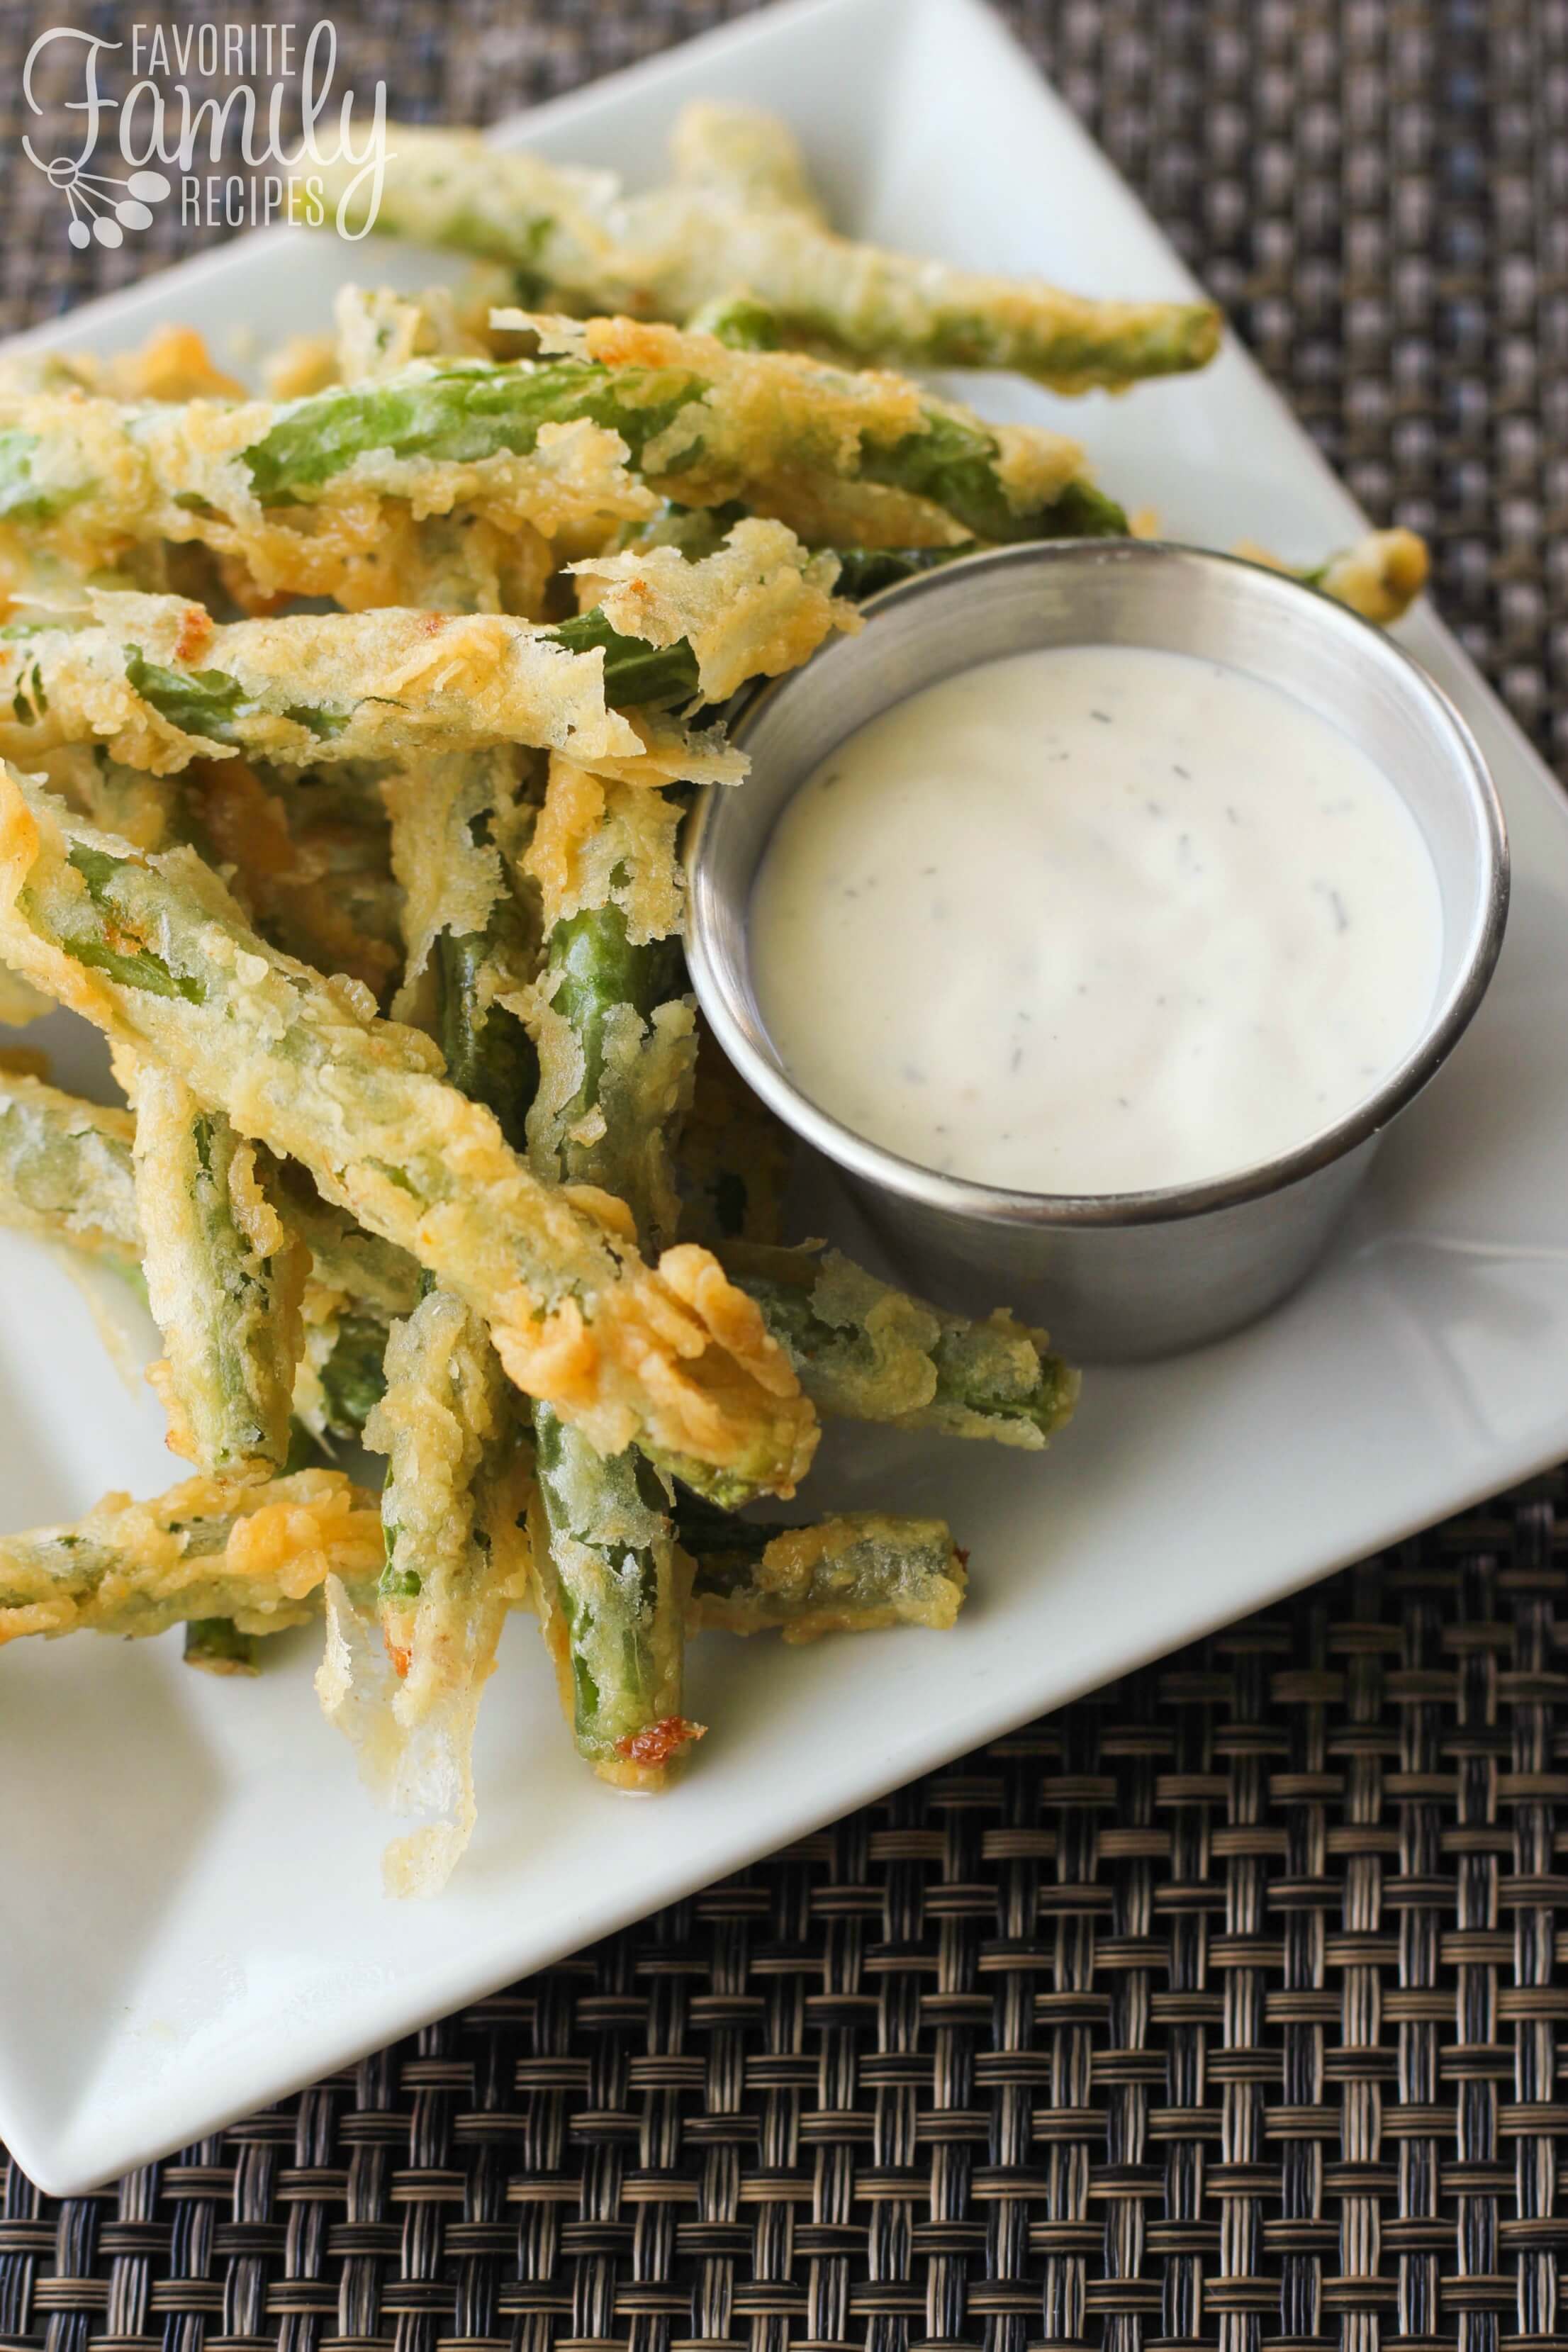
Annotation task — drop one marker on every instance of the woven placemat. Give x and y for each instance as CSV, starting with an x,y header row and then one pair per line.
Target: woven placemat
x,y
1220,2007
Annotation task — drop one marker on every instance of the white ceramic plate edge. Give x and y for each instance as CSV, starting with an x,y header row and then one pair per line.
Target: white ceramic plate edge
x,y
77,2157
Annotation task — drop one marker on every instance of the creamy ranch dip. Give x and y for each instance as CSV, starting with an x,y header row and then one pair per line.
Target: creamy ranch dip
x,y
1095,919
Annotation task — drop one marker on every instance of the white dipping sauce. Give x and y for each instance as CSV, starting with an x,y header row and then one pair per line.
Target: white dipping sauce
x,y
1095,919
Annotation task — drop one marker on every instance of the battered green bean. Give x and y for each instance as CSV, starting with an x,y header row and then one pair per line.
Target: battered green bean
x,y
605,1560
155,952
130,1568
577,242
404,1682
442,1406
225,1280
66,1176
867,1351
1378,576
161,684
615,1041
253,1554
302,493
852,1574
611,1593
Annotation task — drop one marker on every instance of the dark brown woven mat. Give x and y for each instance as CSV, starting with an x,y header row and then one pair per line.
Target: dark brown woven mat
x,y
1220,2007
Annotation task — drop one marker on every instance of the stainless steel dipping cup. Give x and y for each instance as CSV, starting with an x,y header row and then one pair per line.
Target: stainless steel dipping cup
x,y
1113,1275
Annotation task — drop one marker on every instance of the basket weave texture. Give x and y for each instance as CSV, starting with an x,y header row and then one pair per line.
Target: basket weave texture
x,y
1223,2006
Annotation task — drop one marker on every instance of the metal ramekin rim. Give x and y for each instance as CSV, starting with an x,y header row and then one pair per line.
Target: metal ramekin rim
x,y
992,1203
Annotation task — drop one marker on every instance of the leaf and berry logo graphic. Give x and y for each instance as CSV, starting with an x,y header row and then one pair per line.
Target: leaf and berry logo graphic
x,y
103,207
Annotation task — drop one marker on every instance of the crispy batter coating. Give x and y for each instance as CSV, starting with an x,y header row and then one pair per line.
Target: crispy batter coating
x,y
157,955
85,479
611,1588
643,1081
347,1260
255,1554
750,610
66,1175
616,1047
454,816
404,1682
161,684
1380,576
789,436
871,1352
597,843
446,1401
380,331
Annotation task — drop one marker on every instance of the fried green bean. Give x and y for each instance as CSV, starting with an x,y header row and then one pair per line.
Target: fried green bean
x,y
225,1278
611,1593
845,458
405,1681
616,1040
458,824
253,1554
267,1552
280,496
377,1278
161,684
604,1558
866,1350
853,1574
586,249
155,953
304,492
445,1403
695,531
1378,576
66,1176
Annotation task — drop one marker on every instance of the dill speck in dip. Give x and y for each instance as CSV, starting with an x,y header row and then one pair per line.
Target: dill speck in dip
x,y
1095,919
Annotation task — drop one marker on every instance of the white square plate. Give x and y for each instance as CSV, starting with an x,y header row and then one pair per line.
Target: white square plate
x,y
194,1918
